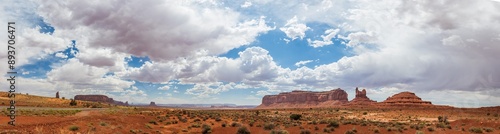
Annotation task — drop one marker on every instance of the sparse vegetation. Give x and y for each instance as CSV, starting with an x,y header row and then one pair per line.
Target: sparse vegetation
x,y
475,130
74,128
243,130
295,116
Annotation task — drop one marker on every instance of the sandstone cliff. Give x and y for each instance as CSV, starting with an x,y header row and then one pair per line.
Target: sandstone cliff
x,y
98,98
94,98
361,99
296,99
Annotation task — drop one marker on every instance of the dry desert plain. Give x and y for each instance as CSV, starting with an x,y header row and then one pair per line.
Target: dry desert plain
x,y
36,114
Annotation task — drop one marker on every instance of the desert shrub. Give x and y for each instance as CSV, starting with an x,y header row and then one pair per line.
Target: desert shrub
x,y
196,125
304,131
419,132
153,122
440,125
316,128
376,130
488,129
332,123
323,122
218,119
243,130
475,130
364,113
269,126
349,132
295,116
279,132
74,128
206,129
430,129
103,124
328,130
72,102
235,124
223,125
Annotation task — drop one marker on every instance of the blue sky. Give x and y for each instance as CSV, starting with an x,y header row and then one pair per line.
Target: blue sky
x,y
239,51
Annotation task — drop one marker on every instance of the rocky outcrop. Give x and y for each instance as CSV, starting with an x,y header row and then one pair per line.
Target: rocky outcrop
x,y
95,98
361,98
57,94
405,98
298,98
152,104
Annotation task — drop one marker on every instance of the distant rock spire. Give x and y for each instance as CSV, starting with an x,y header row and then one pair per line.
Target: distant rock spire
x,y
57,94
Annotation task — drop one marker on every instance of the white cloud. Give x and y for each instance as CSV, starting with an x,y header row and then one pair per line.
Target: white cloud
x,y
293,29
139,28
246,4
61,55
327,38
301,63
166,87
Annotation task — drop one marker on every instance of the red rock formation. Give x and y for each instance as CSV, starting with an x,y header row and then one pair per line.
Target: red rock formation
x,y
361,98
298,98
57,94
405,98
95,98
153,104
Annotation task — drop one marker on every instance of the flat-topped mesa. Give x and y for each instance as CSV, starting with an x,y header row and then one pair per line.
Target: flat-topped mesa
x,y
95,98
361,98
299,98
406,98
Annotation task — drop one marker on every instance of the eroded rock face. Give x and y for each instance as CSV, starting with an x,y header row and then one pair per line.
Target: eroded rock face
x,y
153,104
95,98
304,99
361,98
406,98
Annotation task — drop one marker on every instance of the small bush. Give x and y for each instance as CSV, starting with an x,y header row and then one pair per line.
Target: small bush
x,y
279,132
349,132
332,123
488,129
103,124
72,102
243,130
235,124
364,113
419,132
295,116
304,131
376,130
74,128
223,125
475,130
153,122
430,129
269,126
206,129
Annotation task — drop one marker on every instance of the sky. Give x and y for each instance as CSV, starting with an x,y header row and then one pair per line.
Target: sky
x,y
237,51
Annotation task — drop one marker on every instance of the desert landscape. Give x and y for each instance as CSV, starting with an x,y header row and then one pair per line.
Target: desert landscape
x,y
291,112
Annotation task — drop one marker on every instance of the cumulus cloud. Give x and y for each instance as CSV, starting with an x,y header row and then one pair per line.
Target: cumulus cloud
x,y
301,63
293,29
162,30
327,38
246,4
